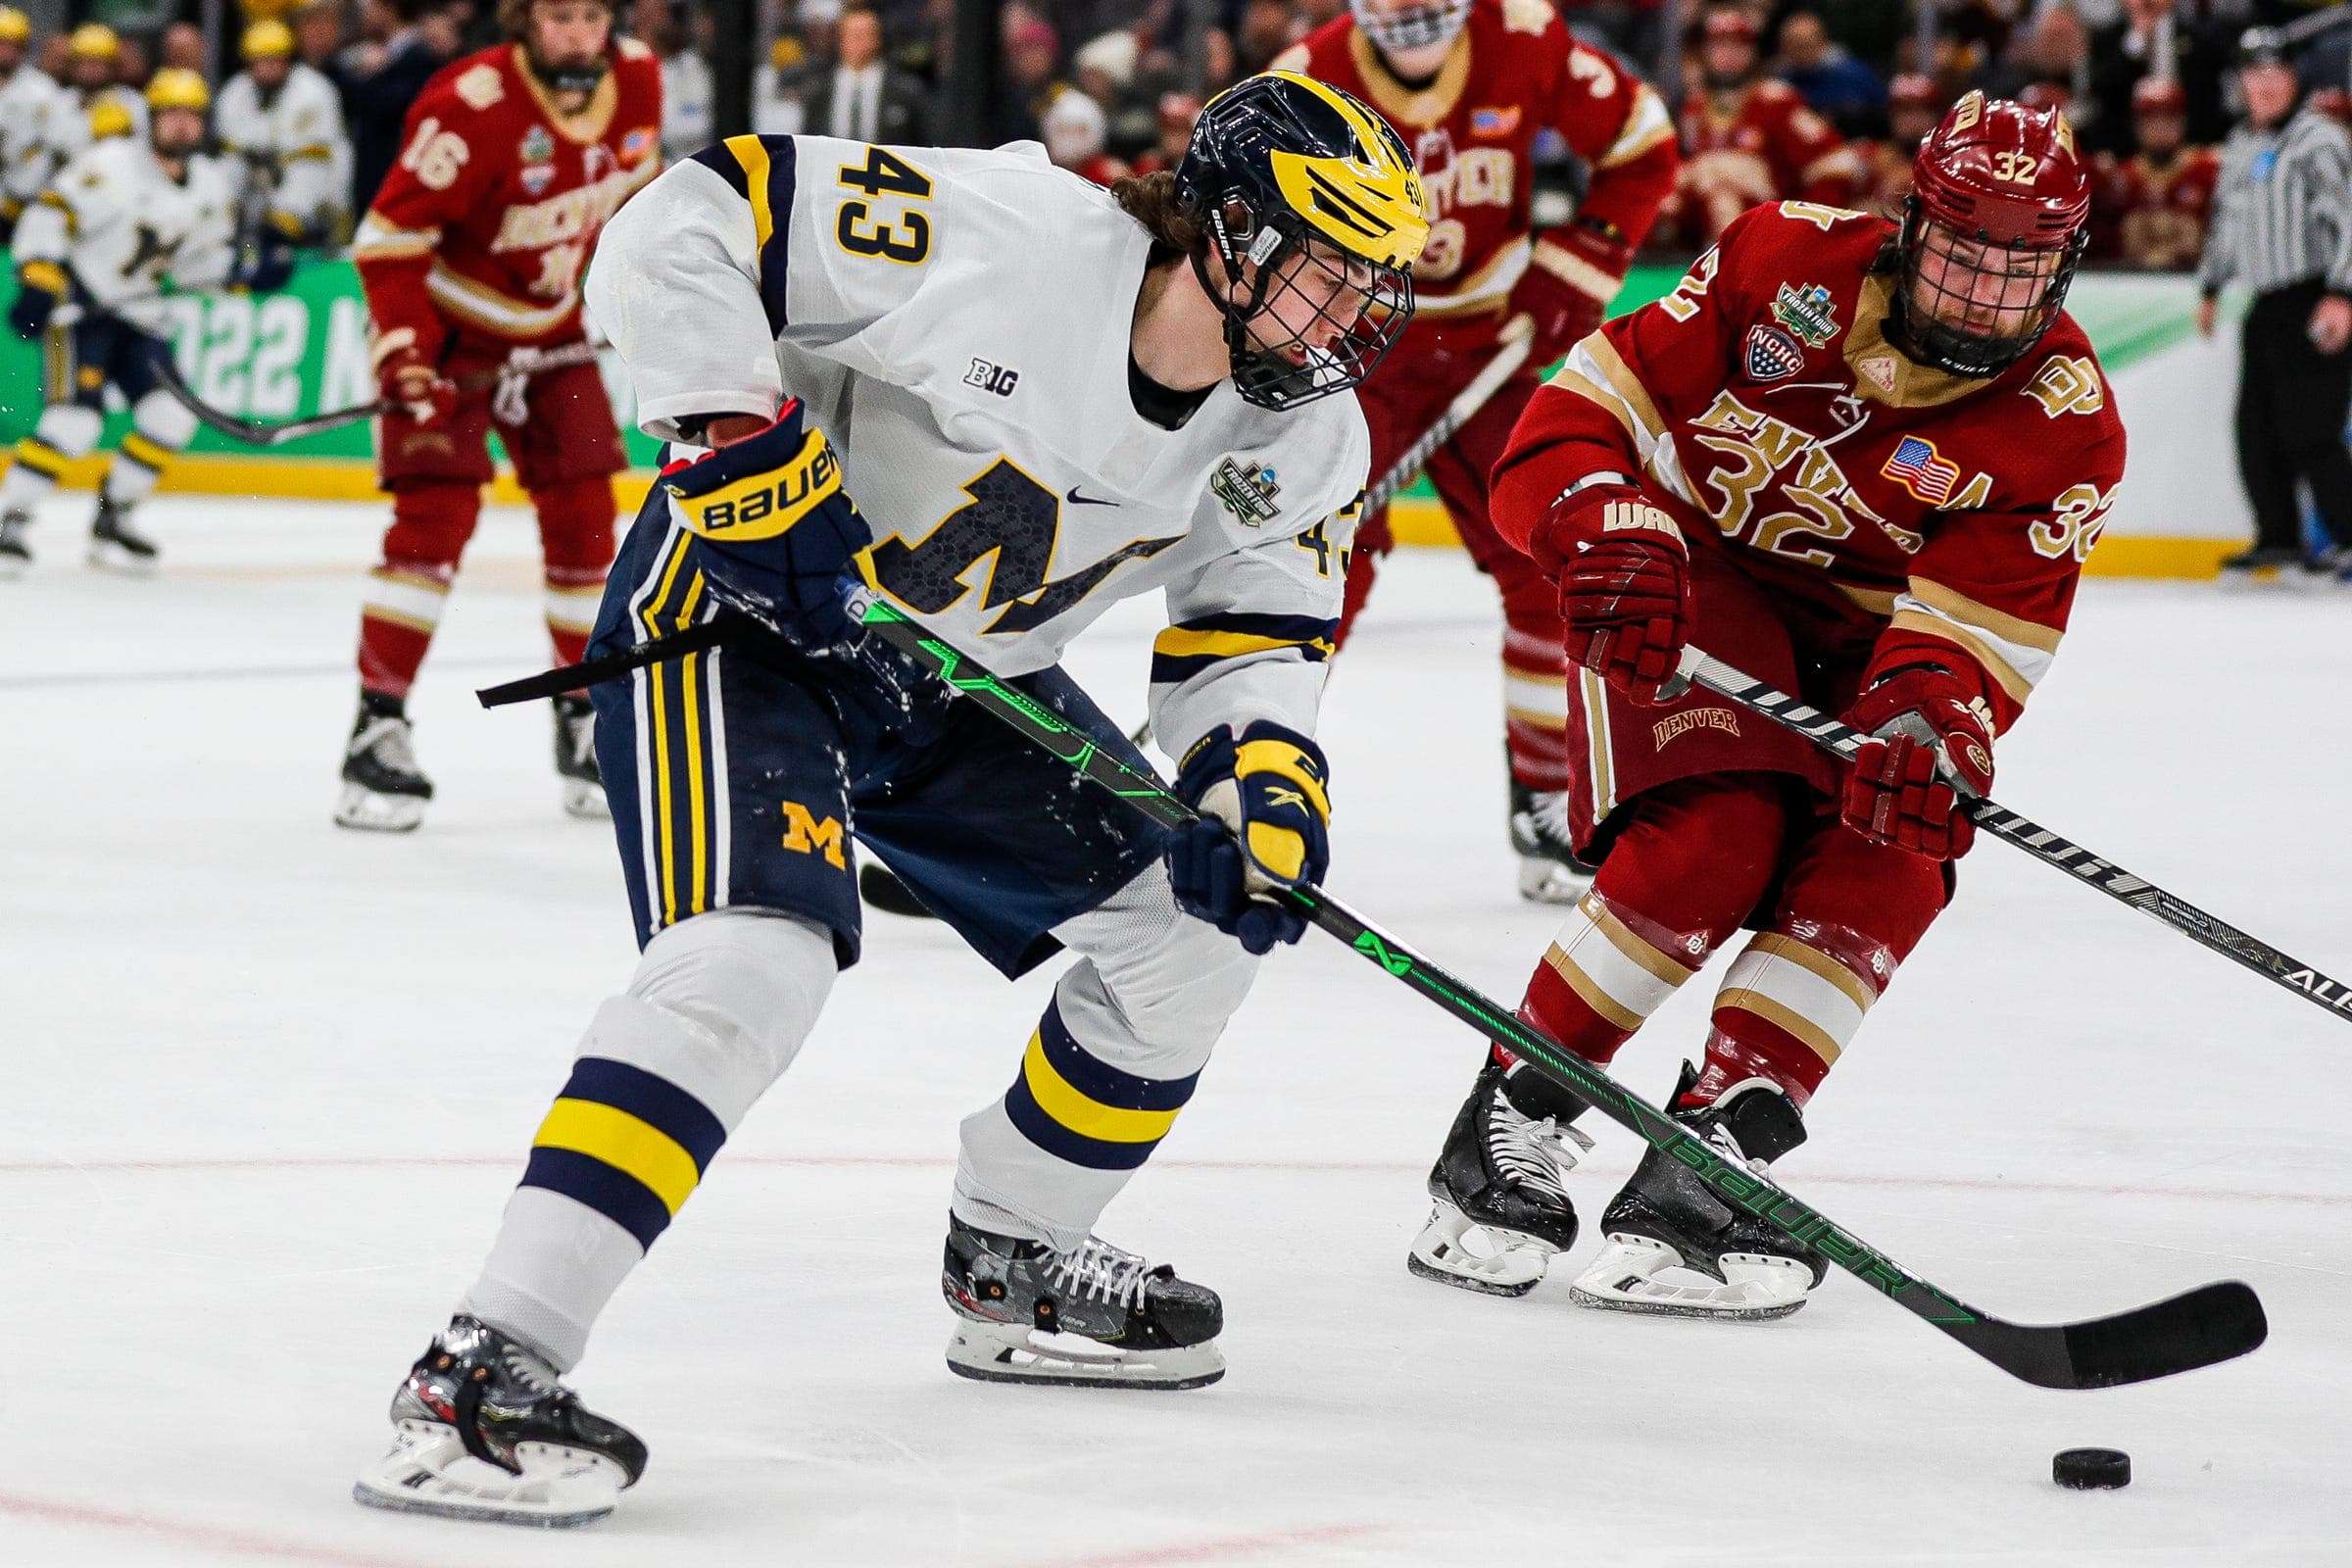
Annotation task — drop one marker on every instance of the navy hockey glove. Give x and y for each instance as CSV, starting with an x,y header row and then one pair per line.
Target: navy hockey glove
x,y
1266,816
773,506
39,288
1929,730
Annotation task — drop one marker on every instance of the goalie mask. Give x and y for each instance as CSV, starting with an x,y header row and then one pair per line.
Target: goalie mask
x,y
1317,217
1992,231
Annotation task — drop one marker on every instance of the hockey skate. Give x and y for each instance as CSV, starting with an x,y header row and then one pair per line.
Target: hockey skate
x,y
1548,870
483,1430
1094,1316
1674,1248
16,549
116,545
575,759
1500,1204
382,790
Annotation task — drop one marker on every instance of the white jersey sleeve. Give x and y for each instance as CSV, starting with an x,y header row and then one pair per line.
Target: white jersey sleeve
x,y
28,101
1249,632
208,252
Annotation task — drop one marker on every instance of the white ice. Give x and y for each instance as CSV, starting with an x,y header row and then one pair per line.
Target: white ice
x,y
265,1085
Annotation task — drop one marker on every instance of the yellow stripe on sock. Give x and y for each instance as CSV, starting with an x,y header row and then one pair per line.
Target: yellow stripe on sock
x,y
1083,1115
623,1142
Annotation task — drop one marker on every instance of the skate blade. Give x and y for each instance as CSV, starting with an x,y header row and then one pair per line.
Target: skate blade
x,y
117,562
1627,1277
586,800
370,813
429,1472
1547,881
1453,1249
1004,1352
885,891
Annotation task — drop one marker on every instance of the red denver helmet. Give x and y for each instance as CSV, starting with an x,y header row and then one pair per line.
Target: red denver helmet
x,y
2158,95
1911,90
1998,216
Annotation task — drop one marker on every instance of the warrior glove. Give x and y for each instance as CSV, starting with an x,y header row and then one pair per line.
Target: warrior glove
x,y
773,505
1930,745
40,286
1625,586
1266,822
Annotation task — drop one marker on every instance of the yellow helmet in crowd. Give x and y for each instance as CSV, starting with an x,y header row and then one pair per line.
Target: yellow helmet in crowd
x,y
271,39
94,41
15,26
110,116
176,87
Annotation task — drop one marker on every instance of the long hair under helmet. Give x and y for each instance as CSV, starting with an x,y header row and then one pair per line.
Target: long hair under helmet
x,y
1290,176
2006,182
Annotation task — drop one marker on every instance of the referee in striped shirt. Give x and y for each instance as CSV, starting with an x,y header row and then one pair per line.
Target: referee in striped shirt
x,y
2282,225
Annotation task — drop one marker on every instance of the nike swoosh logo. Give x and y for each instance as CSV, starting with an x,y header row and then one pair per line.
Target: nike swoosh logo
x,y
1088,500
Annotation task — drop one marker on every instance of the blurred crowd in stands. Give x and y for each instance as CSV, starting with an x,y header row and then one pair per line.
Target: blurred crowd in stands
x,y
1819,101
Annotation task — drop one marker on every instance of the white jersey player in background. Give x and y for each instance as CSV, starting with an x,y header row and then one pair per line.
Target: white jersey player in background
x,y
93,253
285,121
27,98
95,106
1047,397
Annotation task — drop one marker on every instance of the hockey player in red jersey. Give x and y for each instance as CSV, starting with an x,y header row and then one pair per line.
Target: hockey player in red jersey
x,y
1863,463
471,258
1911,113
1469,84
2152,207
1748,138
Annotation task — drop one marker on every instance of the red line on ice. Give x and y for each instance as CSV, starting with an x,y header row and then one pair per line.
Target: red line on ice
x,y
186,1533
1218,1550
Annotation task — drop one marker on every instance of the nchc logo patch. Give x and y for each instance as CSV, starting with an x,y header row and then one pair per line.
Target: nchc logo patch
x,y
812,834
1772,354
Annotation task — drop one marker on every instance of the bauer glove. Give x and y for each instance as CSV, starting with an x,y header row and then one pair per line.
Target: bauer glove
x,y
772,507
1625,586
1575,270
1930,743
1266,816
40,286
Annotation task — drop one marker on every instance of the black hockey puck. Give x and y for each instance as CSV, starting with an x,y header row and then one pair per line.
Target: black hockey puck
x,y
2091,1469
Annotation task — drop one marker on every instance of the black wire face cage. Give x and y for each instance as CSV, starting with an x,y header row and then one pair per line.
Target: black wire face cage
x,y
1415,27
2024,286
1367,302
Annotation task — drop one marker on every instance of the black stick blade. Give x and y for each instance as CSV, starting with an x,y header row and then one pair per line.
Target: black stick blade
x,y
2199,1328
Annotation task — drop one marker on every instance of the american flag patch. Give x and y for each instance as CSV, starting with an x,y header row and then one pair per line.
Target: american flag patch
x,y
1493,121
1772,354
1922,471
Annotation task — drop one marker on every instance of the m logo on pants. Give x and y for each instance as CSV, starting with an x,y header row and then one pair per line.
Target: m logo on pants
x,y
813,835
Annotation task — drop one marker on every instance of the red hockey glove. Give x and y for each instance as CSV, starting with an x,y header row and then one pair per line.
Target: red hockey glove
x,y
1929,730
1626,595
1575,270
407,378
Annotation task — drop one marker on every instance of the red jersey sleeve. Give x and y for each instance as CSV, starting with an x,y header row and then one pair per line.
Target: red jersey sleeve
x,y
1609,406
1820,166
1617,125
1995,587
437,180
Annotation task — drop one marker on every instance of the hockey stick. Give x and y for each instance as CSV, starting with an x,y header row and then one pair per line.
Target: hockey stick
x,y
2039,842
2212,1323
273,434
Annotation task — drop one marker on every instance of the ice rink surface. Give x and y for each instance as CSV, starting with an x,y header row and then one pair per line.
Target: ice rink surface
x,y
268,1084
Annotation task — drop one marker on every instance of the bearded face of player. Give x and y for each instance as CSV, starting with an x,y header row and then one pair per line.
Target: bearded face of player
x,y
1991,296
566,40
175,134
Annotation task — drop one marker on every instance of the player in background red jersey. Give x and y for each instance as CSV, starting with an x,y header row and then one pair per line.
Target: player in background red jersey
x,y
1470,84
1864,464
471,257
1748,138
2151,209
1911,113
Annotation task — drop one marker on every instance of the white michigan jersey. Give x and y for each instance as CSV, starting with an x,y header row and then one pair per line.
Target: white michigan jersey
x,y
958,324
295,137
121,225
28,100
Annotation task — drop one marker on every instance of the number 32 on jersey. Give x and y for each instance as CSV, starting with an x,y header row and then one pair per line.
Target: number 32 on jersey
x,y
902,234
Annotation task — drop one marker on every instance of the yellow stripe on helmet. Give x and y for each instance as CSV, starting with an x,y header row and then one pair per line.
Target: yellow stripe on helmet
x,y
1370,205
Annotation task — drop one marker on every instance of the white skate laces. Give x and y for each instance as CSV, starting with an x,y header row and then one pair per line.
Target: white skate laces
x,y
1539,1155
390,739
1095,1268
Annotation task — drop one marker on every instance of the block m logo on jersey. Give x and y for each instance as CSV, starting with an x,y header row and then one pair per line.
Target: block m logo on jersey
x,y
812,834
1015,520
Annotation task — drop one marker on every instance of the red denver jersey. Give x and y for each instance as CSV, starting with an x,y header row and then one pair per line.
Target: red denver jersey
x,y
1513,71
1754,145
2151,215
485,222
1761,406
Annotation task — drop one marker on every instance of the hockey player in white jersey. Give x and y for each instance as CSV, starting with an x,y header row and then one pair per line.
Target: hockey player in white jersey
x,y
284,120
1047,397
95,105
92,255
28,97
